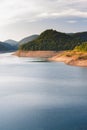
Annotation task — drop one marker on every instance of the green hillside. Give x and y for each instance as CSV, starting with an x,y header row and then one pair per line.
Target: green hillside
x,y
82,36
51,40
82,47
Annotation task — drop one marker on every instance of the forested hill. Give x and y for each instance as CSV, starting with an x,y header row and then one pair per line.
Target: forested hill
x,y
52,40
82,36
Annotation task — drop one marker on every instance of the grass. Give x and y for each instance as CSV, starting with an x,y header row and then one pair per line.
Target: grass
x,y
75,54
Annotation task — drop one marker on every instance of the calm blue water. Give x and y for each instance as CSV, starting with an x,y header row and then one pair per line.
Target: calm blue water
x,y
41,95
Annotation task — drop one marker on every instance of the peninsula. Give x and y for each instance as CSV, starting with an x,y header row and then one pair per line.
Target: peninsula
x,y
56,46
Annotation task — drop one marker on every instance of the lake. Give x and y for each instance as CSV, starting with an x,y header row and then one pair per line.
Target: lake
x,y
41,95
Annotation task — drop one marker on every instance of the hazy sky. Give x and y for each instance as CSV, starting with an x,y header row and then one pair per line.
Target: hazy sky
x,y
21,18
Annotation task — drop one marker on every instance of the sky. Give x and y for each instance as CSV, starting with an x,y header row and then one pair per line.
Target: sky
x,y
21,18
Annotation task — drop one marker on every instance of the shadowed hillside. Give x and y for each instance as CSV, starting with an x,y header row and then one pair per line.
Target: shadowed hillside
x,y
82,36
6,47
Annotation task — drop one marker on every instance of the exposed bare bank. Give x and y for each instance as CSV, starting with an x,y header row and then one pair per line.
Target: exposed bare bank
x,y
42,54
71,58
68,57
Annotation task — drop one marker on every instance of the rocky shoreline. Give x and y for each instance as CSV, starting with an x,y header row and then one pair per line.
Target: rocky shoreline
x,y
71,58
68,57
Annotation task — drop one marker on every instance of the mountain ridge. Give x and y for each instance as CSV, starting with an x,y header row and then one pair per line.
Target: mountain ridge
x,y
48,40
28,39
52,40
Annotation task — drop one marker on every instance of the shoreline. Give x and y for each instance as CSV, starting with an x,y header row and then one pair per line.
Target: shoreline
x,y
72,58
37,54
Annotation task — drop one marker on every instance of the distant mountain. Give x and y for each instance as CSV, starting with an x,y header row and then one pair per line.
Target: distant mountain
x,y
28,39
12,43
5,47
52,40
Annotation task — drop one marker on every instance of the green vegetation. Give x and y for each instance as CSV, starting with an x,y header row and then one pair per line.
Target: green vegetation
x,y
82,36
82,47
52,40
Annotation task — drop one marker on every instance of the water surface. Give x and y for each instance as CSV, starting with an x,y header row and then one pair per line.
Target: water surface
x,y
41,95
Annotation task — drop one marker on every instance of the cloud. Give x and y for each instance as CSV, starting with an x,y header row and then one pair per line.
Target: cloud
x,y
72,21
64,13
19,18
12,11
